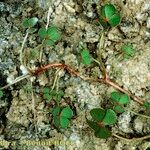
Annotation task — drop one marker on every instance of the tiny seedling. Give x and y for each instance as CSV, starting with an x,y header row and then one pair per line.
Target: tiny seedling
x,y
128,50
1,94
85,56
62,116
101,120
50,35
109,17
29,23
147,105
52,95
120,101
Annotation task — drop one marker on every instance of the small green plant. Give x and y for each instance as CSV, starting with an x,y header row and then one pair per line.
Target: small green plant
x,y
1,94
109,17
29,23
62,116
50,35
101,121
85,56
52,95
120,101
128,50
147,105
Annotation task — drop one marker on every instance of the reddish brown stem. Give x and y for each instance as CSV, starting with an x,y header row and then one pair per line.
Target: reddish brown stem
x,y
105,80
55,65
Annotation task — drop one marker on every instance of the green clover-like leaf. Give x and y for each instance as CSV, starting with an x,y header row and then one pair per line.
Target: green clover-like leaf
x,y
97,114
42,33
1,94
120,98
25,23
66,112
47,96
109,16
93,125
103,23
55,111
86,59
59,94
128,50
147,105
31,22
103,133
124,99
115,96
114,20
109,10
53,33
64,122
118,109
110,117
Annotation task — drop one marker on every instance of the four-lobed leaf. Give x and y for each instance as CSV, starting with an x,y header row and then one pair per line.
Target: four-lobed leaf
x,y
100,120
109,16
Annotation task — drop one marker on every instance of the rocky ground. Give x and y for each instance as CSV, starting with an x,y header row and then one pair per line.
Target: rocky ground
x,y
21,120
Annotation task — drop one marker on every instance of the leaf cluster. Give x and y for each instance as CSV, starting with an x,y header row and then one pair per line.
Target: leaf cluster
x,y
101,120
120,101
62,116
128,50
52,95
50,35
29,23
109,17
